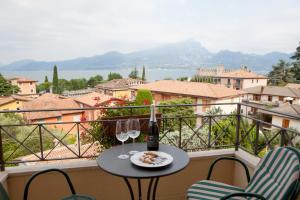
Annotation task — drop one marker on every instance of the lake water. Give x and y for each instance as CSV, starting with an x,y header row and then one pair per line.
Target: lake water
x,y
151,74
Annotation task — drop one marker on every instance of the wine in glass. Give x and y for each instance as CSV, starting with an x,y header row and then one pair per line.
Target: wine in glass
x,y
122,135
133,131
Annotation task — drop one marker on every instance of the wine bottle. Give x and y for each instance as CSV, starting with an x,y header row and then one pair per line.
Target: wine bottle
x,y
153,133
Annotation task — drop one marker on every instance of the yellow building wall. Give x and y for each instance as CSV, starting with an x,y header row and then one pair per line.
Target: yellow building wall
x,y
14,105
122,93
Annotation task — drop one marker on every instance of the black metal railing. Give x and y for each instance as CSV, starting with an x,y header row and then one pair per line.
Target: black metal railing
x,y
31,142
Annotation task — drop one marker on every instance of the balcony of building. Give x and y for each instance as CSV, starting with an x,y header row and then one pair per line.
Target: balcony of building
x,y
204,137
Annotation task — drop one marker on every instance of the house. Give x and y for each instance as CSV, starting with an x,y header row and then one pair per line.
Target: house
x,y
53,101
95,99
237,79
286,115
27,86
272,94
118,88
13,102
201,93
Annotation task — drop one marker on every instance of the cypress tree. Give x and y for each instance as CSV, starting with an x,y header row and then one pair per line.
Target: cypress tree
x,y
143,74
55,81
47,84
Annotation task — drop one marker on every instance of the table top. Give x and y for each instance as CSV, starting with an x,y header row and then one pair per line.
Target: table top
x,y
109,162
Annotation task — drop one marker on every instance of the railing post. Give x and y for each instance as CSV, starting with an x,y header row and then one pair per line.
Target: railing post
x,y
256,138
41,141
209,132
238,122
282,137
78,139
180,127
2,164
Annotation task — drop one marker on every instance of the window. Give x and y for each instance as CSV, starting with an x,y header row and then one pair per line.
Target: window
x,y
256,97
31,90
285,123
59,119
280,98
269,98
252,80
256,80
30,83
17,102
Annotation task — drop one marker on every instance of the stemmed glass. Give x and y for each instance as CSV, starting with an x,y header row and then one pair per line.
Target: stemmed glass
x,y
122,135
133,131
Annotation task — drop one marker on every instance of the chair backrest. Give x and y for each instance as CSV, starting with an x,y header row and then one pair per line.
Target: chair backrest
x,y
26,191
277,175
3,193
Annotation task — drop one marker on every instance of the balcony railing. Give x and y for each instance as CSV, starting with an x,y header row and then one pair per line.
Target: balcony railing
x,y
186,130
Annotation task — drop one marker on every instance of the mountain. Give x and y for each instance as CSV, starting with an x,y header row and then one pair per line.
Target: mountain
x,y
183,54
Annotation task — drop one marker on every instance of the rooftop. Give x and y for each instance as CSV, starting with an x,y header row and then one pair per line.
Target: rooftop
x,y
274,90
284,110
241,73
8,99
293,85
94,99
21,79
190,89
49,101
123,83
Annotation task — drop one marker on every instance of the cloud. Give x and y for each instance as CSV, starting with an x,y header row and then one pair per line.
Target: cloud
x,y
61,29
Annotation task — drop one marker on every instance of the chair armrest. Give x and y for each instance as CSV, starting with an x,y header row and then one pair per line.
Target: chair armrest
x,y
25,195
244,194
228,158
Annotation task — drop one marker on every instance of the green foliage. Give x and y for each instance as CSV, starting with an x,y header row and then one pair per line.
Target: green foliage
x,y
185,78
113,75
281,74
143,74
94,80
7,88
55,86
28,134
187,112
134,74
44,86
204,79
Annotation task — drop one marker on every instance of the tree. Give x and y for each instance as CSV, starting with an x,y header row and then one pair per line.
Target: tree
x,y
281,74
143,74
47,84
6,88
55,88
204,79
94,80
134,74
296,63
185,78
113,75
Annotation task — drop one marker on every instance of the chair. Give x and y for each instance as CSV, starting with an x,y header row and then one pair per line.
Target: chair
x,y
277,176
3,193
73,196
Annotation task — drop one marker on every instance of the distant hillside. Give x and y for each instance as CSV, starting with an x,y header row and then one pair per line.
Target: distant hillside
x,y
184,54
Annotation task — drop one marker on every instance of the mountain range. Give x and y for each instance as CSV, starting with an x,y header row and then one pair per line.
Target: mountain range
x,y
184,54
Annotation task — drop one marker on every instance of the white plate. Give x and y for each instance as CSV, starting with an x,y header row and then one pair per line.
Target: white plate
x,y
163,160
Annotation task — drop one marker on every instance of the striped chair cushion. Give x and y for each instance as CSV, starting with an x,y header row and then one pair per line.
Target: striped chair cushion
x,y
276,174
210,190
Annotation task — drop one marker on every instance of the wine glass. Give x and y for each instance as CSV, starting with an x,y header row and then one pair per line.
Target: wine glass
x,y
133,131
122,135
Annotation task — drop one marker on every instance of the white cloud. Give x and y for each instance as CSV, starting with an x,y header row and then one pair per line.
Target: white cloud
x,y
60,29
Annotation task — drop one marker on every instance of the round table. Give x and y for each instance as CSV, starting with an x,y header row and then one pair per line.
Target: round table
x,y
109,162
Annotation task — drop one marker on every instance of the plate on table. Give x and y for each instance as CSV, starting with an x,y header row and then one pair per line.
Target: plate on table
x,y
151,159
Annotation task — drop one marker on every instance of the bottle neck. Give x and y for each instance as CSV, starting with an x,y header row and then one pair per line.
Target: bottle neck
x,y
153,116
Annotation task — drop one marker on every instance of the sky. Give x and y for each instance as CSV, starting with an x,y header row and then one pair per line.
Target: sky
x,y
65,29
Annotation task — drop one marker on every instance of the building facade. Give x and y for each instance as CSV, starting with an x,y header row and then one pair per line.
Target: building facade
x,y
27,86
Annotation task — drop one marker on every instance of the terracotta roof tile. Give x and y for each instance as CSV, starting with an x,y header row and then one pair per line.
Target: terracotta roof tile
x,y
190,89
274,90
94,98
8,99
49,101
119,83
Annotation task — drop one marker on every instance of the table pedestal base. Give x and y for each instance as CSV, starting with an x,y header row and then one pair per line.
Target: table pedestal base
x,y
151,188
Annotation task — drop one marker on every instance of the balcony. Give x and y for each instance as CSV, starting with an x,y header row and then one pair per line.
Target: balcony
x,y
205,138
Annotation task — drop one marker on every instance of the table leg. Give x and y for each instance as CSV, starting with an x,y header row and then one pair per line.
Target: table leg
x,y
149,189
154,189
140,190
130,188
